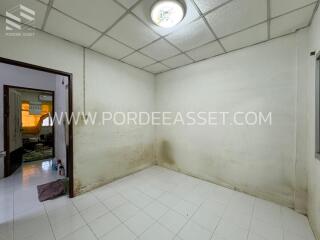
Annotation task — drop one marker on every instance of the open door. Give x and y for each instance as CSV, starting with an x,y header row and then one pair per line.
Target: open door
x,y
13,130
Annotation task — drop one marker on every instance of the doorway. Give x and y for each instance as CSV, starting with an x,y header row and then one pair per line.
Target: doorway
x,y
32,125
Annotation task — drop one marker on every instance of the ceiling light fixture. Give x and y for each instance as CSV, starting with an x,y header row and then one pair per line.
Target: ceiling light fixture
x,y
167,13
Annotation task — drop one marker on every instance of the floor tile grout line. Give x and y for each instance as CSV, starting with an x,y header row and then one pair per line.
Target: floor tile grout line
x,y
281,208
216,227
252,216
172,209
64,218
45,209
122,223
189,219
220,217
114,215
79,212
87,224
156,220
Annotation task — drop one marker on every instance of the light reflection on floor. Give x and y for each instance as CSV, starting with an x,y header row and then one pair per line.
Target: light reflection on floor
x,y
35,173
22,216
46,165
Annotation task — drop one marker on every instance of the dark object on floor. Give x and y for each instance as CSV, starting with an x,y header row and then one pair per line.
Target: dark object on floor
x,y
15,160
51,190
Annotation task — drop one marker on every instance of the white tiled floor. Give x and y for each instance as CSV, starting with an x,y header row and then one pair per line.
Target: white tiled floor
x,y
154,204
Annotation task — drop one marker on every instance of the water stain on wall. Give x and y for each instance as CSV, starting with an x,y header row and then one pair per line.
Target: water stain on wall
x,y
76,187
145,154
220,169
117,162
166,153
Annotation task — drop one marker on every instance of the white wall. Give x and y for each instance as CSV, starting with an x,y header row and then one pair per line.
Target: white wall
x,y
100,155
257,160
302,141
307,110
15,120
60,130
17,76
108,152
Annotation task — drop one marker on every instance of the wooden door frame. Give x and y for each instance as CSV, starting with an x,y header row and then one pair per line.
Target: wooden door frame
x,y
70,110
6,122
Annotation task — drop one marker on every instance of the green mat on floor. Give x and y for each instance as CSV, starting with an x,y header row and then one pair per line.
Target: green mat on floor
x,y
37,155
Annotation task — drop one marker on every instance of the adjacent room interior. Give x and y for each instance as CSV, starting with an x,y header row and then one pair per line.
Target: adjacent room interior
x,y
37,125
35,145
30,125
179,120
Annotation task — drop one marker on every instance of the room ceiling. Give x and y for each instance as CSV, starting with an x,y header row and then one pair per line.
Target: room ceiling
x,y
122,29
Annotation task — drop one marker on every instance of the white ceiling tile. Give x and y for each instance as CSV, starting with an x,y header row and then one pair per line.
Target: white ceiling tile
x,y
160,50
45,1
99,14
127,3
138,60
12,7
245,38
142,10
177,61
279,7
111,48
206,51
237,15
291,22
132,32
206,5
191,36
62,26
157,68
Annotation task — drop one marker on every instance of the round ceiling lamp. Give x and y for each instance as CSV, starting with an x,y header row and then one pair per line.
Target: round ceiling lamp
x,y
167,13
